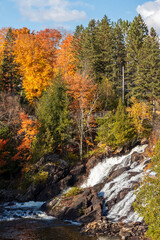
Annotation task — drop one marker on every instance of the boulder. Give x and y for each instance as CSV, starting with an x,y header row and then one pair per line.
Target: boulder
x,y
137,157
84,207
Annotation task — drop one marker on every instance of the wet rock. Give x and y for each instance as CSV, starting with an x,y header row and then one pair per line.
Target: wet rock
x,y
117,172
137,157
84,207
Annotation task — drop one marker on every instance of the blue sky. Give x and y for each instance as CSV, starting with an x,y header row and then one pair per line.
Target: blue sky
x,y
67,14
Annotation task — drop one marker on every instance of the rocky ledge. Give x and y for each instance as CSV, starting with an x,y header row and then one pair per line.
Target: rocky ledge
x,y
131,231
84,207
51,175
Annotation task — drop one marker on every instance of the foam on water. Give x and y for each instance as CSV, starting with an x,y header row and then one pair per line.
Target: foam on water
x,y
124,181
23,210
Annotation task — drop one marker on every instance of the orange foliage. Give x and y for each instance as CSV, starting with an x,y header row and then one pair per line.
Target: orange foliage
x,y
28,131
3,153
36,55
66,59
82,90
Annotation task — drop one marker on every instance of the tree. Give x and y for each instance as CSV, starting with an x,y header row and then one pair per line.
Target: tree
x,y
116,130
142,118
147,196
136,36
27,133
10,77
66,62
36,54
3,154
105,49
53,116
147,82
119,57
82,91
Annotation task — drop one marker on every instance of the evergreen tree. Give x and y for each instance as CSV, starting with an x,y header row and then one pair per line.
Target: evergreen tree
x,y
105,42
9,72
89,51
116,130
147,82
53,116
119,57
136,36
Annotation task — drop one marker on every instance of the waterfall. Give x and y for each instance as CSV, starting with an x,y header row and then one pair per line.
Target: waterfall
x,y
129,174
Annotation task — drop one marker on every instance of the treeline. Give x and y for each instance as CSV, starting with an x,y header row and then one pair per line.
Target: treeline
x,y
54,87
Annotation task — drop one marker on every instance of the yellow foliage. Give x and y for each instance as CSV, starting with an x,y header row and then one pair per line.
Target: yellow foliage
x,y
36,55
139,111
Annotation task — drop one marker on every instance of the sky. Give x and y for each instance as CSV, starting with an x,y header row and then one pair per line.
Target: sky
x,y
67,14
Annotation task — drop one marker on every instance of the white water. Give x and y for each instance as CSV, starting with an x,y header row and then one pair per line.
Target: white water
x,y
124,181
23,210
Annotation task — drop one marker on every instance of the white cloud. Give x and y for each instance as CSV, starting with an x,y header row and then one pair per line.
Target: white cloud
x,y
150,11
49,10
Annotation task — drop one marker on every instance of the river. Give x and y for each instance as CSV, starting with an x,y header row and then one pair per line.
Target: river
x,y
26,221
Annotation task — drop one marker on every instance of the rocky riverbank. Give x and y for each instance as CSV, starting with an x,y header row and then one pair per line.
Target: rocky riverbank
x,y
101,204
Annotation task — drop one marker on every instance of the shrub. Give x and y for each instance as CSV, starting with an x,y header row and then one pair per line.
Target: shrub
x,y
73,192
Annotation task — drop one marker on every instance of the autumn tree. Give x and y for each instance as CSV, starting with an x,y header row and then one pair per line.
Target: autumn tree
x,y
27,133
3,154
142,118
66,62
83,92
36,54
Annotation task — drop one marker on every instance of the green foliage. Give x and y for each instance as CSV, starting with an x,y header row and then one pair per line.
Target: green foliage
x,y
73,192
148,197
72,158
26,181
4,132
40,177
10,77
53,116
116,130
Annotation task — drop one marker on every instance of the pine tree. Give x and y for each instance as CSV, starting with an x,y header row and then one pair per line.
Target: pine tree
x,y
116,130
10,78
136,36
89,50
119,57
147,82
105,42
53,116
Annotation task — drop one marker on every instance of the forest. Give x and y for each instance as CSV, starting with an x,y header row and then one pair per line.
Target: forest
x,y
78,94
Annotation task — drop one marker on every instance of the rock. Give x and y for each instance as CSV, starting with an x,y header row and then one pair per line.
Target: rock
x,y
117,172
7,195
84,207
58,178
137,157
144,141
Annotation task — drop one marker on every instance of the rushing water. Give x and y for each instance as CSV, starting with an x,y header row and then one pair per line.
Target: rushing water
x,y
26,221
125,180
